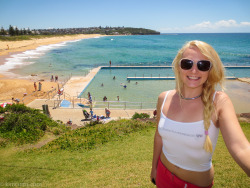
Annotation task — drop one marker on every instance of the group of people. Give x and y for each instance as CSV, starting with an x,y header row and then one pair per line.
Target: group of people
x,y
92,116
15,100
52,78
39,86
106,99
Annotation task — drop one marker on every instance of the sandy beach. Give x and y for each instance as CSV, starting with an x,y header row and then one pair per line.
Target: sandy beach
x,y
23,89
7,47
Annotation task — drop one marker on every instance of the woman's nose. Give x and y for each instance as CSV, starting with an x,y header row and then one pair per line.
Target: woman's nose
x,y
194,68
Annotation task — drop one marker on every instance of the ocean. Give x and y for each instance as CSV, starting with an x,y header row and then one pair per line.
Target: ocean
x,y
80,56
77,58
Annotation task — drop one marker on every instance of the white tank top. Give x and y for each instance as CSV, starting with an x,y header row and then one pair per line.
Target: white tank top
x,y
183,142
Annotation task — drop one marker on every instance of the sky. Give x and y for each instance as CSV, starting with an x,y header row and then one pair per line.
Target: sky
x,y
165,16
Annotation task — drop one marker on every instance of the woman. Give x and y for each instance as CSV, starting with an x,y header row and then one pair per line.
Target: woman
x,y
189,120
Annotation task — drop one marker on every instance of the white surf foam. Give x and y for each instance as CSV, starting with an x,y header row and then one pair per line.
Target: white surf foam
x,y
27,57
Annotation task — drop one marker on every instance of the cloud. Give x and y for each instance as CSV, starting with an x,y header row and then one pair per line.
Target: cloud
x,y
219,26
206,24
245,23
226,23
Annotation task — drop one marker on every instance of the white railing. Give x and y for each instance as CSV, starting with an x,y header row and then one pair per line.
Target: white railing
x,y
120,105
72,102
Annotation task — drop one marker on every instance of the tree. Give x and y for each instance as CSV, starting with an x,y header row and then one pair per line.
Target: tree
x,y
16,31
28,31
24,31
11,31
2,31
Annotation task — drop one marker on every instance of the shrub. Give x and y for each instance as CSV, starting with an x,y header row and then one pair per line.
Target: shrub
x,y
20,108
22,124
2,110
140,116
56,131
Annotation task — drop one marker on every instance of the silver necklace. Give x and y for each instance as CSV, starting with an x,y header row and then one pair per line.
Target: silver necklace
x,y
189,98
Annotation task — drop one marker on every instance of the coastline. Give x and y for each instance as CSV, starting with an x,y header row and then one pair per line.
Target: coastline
x,y
13,86
8,47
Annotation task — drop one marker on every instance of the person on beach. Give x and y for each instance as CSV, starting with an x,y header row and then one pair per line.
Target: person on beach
x,y
56,78
189,121
35,87
90,98
107,112
52,78
39,86
91,113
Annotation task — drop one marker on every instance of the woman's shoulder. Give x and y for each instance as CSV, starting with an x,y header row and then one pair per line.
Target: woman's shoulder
x,y
164,93
221,96
221,99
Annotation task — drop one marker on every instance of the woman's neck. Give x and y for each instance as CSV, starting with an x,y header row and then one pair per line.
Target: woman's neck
x,y
190,94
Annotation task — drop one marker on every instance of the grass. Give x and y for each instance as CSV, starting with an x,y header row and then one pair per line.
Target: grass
x,y
123,161
227,172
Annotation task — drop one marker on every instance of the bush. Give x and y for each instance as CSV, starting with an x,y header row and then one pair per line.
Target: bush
x,y
22,124
2,110
140,116
90,137
20,108
56,131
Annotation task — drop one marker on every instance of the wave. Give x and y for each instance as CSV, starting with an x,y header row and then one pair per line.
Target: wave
x,y
235,54
27,57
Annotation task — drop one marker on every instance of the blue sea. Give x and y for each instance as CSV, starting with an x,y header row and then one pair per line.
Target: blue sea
x,y
77,58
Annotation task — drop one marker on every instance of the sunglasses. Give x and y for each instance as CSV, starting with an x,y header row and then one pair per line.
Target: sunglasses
x,y
202,65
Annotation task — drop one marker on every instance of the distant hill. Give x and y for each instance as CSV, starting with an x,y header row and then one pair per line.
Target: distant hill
x,y
14,31
98,30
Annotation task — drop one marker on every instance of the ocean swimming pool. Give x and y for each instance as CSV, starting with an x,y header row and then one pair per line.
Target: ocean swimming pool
x,y
137,91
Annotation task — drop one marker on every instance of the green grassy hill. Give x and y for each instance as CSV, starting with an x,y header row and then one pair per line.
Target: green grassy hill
x,y
116,154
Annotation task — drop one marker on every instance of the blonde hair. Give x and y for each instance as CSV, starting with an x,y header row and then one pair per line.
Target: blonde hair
x,y
215,76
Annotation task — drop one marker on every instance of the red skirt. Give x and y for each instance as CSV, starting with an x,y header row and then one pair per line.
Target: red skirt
x,y
166,179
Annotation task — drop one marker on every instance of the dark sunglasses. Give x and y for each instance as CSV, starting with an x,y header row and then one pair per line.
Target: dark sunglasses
x,y
202,65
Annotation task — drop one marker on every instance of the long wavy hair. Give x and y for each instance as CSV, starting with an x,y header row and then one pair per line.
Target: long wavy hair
x,y
215,76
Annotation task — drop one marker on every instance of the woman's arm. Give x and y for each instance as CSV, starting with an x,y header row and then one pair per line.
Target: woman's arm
x,y
157,138
235,140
